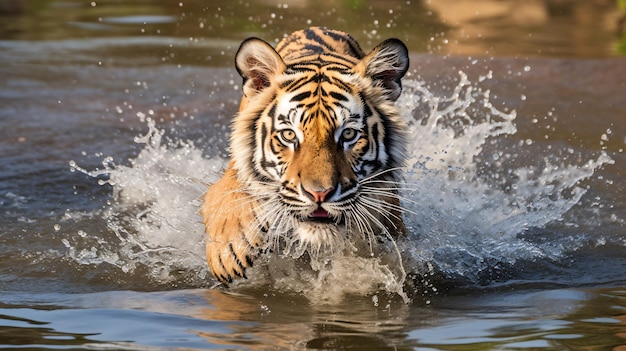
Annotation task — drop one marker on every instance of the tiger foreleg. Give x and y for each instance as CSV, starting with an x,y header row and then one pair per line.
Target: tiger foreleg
x,y
229,222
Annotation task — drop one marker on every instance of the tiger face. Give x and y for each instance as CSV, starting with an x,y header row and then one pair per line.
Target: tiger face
x,y
318,140
315,151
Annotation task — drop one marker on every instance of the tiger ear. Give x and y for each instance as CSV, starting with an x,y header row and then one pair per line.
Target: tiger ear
x,y
257,62
386,64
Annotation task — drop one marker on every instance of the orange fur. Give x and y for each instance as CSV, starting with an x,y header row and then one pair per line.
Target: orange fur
x,y
228,214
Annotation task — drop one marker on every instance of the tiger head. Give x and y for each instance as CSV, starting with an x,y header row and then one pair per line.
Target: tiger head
x,y
318,139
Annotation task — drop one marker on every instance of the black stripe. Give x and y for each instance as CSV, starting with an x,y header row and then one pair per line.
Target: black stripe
x,y
375,135
388,139
301,96
225,279
345,38
319,60
355,48
367,111
237,260
275,150
314,48
272,111
282,118
338,96
311,35
340,84
264,162
297,84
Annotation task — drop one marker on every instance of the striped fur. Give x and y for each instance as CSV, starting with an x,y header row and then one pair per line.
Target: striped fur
x,y
316,147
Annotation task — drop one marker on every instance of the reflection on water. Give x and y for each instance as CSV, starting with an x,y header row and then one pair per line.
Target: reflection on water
x,y
209,319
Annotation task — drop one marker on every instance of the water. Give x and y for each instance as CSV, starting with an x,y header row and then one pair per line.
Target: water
x,y
115,117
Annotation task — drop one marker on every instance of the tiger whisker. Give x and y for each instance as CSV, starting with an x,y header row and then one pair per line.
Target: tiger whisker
x,y
281,224
398,186
362,202
378,174
272,206
376,205
363,208
359,214
389,186
374,191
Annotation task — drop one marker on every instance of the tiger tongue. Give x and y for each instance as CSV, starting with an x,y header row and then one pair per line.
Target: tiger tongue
x,y
320,213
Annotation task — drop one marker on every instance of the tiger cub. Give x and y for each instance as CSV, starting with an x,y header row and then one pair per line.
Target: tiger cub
x,y
316,149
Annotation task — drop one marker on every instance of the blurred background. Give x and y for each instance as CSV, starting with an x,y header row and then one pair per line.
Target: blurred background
x,y
518,28
115,113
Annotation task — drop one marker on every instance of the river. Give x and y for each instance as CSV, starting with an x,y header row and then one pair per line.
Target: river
x,y
115,116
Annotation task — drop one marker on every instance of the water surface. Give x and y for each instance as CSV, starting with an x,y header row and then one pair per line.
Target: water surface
x,y
114,117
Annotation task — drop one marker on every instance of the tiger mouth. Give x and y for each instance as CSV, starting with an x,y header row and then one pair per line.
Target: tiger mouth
x,y
320,215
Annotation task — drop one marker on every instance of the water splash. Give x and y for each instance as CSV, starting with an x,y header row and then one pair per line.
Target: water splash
x,y
154,211
463,213
466,214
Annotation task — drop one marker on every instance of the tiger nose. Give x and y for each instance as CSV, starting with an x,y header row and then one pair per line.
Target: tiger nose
x,y
318,195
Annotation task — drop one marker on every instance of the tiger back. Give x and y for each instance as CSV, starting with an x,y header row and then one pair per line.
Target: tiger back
x,y
315,151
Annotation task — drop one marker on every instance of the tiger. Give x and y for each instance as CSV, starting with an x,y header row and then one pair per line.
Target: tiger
x,y
316,150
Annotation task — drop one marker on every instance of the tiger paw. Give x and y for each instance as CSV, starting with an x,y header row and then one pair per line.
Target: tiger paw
x,y
228,260
229,219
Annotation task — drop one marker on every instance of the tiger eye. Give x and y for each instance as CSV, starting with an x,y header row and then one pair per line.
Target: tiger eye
x,y
349,134
288,135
